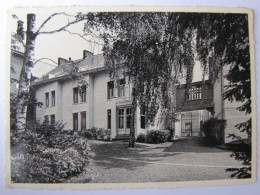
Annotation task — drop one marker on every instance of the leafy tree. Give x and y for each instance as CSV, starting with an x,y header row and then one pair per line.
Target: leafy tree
x,y
151,49
155,48
225,42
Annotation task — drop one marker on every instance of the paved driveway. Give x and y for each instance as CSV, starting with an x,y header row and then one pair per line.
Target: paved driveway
x,y
182,160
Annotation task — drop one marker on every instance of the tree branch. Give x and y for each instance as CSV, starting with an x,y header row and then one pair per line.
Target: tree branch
x,y
62,28
45,59
49,18
82,36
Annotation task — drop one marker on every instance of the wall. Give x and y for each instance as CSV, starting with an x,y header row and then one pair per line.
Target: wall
x,y
40,96
102,103
68,107
225,109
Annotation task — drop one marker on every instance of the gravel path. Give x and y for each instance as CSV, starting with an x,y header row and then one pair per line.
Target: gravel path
x,y
183,160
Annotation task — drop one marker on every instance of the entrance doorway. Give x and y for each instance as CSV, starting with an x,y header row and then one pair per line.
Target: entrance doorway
x,y
123,121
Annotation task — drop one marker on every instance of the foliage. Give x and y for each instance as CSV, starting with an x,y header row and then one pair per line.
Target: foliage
x,y
214,130
156,137
144,46
241,152
96,133
141,138
47,154
171,134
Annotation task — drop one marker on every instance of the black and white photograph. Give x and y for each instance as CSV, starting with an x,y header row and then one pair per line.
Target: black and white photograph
x,y
145,97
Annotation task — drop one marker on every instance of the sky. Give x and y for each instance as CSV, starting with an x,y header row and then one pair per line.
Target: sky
x,y
66,45
60,44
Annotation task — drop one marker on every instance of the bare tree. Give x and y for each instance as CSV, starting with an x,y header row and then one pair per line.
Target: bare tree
x,y
25,76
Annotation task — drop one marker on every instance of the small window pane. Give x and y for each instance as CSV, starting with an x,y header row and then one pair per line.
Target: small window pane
x,y
53,98
47,99
109,119
75,95
83,120
75,121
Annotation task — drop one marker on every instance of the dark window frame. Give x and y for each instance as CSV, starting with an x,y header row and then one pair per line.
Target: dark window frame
x,y
143,119
121,118
46,119
83,93
109,119
75,95
53,102
195,93
47,101
110,89
83,123
75,121
121,88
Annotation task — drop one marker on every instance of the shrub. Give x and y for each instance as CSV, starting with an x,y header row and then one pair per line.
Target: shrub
x,y
46,153
96,133
214,130
242,152
141,138
89,133
156,137
170,135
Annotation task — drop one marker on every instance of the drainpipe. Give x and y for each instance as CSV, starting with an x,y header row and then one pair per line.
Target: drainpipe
x,y
222,91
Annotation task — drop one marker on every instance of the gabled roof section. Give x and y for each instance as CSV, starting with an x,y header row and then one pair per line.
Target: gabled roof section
x,y
90,63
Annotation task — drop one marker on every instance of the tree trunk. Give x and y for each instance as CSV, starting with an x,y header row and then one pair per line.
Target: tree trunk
x,y
25,75
133,111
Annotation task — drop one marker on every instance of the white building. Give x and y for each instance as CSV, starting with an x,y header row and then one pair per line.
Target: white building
x,y
105,102
102,102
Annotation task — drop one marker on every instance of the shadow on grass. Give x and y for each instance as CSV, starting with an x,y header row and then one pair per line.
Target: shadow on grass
x,y
193,144
107,155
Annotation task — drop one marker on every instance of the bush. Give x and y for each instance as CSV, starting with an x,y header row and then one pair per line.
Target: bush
x,y
96,133
141,138
156,137
170,135
89,133
46,153
214,130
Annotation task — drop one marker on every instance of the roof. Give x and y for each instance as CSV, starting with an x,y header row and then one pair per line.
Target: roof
x,y
91,63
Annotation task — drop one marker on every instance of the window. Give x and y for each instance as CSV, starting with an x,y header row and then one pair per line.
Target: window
x,y
195,93
46,99
83,120
46,119
109,119
110,89
75,95
83,93
142,119
188,126
53,98
128,118
121,118
75,121
121,88
53,119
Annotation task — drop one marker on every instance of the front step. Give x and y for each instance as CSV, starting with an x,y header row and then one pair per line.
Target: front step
x,y
122,137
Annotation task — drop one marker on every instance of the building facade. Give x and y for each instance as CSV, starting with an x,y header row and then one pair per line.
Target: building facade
x,y
105,102
194,105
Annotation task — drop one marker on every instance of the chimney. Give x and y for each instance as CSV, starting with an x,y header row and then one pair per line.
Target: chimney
x,y
86,54
62,61
20,30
